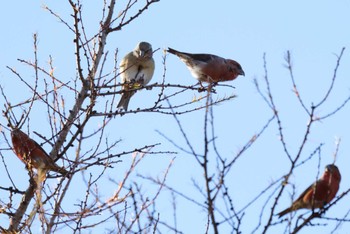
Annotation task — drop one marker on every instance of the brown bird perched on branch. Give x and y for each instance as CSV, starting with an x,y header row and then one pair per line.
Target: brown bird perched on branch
x,y
136,69
33,155
208,67
319,193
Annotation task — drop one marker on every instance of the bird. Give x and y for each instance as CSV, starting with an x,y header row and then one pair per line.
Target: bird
x,y
32,154
136,70
319,193
208,67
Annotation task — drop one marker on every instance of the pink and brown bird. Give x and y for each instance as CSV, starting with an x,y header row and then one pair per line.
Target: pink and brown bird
x,y
136,69
208,67
32,154
319,193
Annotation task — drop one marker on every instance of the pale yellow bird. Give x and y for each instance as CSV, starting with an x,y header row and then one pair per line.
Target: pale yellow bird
x,y
136,70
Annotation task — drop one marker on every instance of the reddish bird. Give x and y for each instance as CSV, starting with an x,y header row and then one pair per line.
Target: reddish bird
x,y
318,194
208,67
32,154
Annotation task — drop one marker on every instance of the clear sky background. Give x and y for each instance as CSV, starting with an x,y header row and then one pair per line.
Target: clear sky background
x,y
313,31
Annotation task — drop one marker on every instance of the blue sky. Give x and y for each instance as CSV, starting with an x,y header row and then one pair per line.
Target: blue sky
x,y
314,32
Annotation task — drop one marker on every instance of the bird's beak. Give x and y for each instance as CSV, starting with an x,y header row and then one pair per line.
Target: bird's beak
x,y
329,168
242,73
142,53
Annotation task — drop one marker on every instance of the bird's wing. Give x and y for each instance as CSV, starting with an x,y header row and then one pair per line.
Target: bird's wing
x,y
307,192
317,193
205,58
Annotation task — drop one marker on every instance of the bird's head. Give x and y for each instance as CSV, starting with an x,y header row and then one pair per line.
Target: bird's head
x,y
333,170
143,50
235,67
16,132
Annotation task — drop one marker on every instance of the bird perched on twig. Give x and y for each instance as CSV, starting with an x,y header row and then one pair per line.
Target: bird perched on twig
x,y
33,155
136,69
318,194
208,67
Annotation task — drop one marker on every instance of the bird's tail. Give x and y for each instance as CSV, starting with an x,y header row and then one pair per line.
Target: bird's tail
x,y
62,171
58,169
172,51
124,100
185,57
286,211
